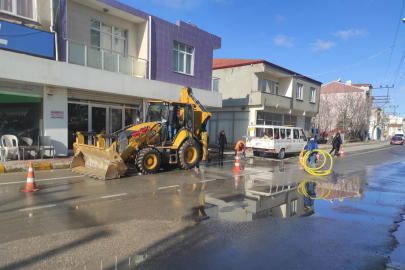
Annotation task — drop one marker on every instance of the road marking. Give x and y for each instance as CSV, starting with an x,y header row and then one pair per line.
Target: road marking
x,y
116,195
370,151
209,180
38,207
50,179
168,187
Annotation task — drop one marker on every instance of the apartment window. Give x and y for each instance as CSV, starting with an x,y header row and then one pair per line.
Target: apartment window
x,y
108,37
300,89
293,207
182,58
23,8
312,96
270,87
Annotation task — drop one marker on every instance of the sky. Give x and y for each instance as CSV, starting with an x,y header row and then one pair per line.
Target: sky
x,y
309,37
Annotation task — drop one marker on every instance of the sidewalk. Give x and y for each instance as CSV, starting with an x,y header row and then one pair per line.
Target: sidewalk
x,y
38,164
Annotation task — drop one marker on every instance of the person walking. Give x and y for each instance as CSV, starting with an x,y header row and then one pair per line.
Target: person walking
x,y
240,147
312,145
336,143
222,142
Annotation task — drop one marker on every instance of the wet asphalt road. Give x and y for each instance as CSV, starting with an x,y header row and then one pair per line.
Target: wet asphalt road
x,y
209,218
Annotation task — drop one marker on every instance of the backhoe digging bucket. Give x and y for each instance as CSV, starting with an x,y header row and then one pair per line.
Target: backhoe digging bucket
x,y
99,163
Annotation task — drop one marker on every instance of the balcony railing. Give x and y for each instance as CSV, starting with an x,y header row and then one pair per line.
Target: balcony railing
x,y
96,57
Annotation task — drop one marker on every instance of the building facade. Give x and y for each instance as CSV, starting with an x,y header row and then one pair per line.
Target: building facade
x,y
98,63
257,92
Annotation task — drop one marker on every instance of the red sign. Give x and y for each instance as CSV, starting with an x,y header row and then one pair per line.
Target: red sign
x,y
57,114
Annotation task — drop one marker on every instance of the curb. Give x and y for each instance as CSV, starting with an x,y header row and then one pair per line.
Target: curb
x,y
38,166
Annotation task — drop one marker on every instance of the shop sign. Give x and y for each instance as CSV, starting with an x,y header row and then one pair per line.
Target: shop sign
x,y
21,88
24,39
57,114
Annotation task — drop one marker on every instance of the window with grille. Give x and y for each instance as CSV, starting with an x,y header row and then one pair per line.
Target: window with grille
x,y
182,58
23,8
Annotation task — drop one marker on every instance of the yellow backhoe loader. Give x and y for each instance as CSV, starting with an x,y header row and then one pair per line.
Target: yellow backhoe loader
x,y
147,145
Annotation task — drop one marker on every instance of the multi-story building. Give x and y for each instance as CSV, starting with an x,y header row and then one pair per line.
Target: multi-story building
x,y
90,65
262,93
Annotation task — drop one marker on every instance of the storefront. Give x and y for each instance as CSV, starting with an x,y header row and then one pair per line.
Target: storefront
x,y
100,113
21,110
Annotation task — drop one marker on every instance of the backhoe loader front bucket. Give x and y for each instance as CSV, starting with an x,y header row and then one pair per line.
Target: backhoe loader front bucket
x,y
97,162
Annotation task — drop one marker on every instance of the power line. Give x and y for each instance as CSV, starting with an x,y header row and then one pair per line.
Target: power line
x,y
357,62
396,34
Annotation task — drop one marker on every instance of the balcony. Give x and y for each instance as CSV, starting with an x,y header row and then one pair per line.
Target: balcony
x,y
95,57
271,100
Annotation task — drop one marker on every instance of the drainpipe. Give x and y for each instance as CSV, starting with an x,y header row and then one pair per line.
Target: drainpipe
x,y
150,46
54,33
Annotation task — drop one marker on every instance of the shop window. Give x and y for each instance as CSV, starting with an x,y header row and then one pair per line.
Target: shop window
x,y
22,8
20,116
293,207
77,121
131,116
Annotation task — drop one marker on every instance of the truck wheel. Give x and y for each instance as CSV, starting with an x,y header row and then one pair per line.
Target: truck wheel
x,y
148,161
256,153
281,154
189,155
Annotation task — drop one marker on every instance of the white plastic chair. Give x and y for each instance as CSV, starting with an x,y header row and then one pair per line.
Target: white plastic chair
x,y
10,146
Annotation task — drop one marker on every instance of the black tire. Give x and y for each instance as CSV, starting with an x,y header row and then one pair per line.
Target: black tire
x,y
189,155
256,153
148,161
281,154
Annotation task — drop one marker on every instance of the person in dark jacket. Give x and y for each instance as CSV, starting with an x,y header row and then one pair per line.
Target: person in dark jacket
x,y
336,143
222,142
173,122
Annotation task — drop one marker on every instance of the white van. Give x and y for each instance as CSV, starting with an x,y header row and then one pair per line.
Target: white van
x,y
275,140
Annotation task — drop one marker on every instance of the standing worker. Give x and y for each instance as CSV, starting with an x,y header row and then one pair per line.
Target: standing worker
x,y
221,143
240,147
173,122
312,145
336,143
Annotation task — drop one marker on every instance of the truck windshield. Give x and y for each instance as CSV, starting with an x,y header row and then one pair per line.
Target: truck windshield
x,y
158,112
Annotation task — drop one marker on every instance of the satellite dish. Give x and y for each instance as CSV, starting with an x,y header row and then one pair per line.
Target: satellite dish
x,y
339,80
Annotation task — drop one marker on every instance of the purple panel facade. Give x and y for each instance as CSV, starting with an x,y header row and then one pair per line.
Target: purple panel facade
x,y
164,34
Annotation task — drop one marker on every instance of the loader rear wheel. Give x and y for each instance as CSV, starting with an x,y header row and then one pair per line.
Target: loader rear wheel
x,y
148,161
189,155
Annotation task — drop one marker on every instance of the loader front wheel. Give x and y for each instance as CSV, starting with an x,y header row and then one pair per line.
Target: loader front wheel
x,y
148,161
189,155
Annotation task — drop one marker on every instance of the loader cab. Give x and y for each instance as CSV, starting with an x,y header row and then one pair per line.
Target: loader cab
x,y
160,112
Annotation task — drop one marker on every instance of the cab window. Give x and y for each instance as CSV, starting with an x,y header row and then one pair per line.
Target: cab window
x,y
302,135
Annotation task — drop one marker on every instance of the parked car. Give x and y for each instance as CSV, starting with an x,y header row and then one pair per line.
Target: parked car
x,y
397,140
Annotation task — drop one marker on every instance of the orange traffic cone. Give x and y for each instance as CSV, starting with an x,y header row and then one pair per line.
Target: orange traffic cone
x,y
31,186
342,153
237,167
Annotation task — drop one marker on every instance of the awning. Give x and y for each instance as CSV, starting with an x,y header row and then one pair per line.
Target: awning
x,y
21,111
